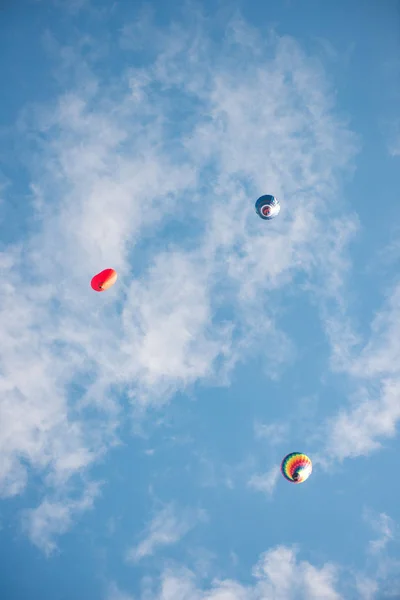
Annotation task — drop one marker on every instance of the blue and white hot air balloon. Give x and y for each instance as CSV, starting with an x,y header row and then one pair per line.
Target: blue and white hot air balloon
x,y
267,207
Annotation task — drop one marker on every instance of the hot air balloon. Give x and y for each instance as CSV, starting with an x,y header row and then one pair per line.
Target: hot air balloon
x,y
296,467
267,207
104,280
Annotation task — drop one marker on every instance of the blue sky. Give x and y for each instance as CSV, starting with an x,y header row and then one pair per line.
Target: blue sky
x,y
142,429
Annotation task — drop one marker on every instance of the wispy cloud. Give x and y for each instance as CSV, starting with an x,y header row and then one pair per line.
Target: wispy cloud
x,y
168,527
115,593
367,588
358,430
53,517
278,574
375,411
384,527
273,433
113,168
265,483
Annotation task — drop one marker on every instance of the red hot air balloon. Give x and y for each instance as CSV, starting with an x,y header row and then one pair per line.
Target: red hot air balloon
x,y
104,280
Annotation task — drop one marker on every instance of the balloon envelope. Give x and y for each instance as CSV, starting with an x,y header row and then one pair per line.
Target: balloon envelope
x,y
296,467
104,280
267,207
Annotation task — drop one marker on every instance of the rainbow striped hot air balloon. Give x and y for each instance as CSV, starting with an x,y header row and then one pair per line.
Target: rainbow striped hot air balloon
x,y
296,467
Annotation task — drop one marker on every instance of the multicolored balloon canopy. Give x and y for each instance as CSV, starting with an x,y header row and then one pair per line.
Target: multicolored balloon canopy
x,y
296,467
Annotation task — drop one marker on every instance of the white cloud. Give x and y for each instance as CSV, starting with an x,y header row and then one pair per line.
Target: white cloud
x,y
356,432
381,355
168,527
395,148
170,315
375,411
115,593
367,588
35,421
114,170
279,576
265,483
384,527
54,517
273,433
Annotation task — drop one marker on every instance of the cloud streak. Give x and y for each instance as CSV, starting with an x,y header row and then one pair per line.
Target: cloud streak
x,y
168,527
374,413
385,528
115,167
265,483
278,574
54,517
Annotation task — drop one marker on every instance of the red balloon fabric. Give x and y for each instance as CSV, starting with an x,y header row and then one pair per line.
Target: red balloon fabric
x,y
104,280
